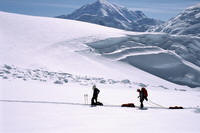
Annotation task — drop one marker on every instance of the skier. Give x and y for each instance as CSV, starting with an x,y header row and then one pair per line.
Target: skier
x,y
142,95
95,95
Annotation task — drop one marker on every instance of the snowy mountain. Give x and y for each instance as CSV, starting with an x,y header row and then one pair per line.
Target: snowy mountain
x,y
107,14
48,67
185,23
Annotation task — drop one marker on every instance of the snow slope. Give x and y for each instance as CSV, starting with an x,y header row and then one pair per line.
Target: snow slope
x,y
47,42
48,64
39,107
171,57
50,44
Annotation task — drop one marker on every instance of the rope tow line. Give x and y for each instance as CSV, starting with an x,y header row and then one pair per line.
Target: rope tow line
x,y
41,102
82,104
157,104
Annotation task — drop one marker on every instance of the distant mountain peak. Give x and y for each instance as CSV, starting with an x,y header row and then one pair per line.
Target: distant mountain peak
x,y
194,6
106,3
108,14
103,1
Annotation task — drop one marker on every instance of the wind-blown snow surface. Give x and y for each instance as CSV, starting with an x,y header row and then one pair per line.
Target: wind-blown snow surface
x,y
46,68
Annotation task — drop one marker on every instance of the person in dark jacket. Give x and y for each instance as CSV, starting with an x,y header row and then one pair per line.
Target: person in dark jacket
x,y
95,95
142,97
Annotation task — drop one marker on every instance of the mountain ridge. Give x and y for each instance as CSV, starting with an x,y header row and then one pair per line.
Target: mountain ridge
x,y
185,23
105,13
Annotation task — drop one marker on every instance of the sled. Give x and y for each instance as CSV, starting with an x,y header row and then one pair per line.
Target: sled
x,y
128,105
176,107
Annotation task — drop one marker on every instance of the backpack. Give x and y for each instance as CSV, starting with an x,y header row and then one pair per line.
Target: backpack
x,y
145,92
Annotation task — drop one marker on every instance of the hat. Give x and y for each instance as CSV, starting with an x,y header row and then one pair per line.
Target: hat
x,y
94,86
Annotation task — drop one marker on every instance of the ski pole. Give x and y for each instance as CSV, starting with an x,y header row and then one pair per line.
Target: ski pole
x,y
86,98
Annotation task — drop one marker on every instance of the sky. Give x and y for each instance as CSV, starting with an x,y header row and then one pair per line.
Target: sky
x,y
158,9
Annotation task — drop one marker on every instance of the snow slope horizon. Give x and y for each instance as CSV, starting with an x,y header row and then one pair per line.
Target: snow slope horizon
x,y
62,45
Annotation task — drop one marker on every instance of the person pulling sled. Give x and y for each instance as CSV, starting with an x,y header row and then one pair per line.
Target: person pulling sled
x,y
143,96
95,96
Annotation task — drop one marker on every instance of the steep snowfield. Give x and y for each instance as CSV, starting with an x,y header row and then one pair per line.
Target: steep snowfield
x,y
48,64
60,45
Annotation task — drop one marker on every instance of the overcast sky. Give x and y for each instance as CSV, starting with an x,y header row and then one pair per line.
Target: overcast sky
x,y
159,9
